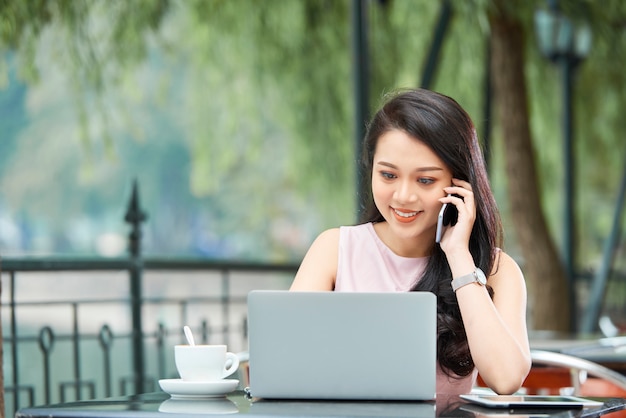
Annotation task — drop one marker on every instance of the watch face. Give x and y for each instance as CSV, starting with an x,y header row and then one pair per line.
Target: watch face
x,y
480,277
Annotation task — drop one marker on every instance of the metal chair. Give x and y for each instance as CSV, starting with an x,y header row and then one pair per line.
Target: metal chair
x,y
555,373
586,378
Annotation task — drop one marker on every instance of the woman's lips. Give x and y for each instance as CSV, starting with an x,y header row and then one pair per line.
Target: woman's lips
x,y
404,215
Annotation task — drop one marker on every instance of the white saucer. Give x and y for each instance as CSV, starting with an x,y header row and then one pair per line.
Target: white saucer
x,y
203,406
181,389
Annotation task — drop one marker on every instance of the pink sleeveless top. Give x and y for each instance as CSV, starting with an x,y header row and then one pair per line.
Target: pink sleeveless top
x,y
366,264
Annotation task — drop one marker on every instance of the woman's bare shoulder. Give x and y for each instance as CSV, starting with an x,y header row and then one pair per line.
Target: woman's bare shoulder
x,y
506,271
319,266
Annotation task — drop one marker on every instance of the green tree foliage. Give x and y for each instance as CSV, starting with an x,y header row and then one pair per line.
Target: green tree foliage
x,y
253,101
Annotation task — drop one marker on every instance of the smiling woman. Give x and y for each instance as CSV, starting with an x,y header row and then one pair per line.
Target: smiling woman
x,y
420,152
408,179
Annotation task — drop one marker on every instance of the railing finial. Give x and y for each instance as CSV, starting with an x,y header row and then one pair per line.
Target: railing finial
x,y
135,216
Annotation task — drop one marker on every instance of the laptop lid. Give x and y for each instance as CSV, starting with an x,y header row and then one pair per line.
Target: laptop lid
x,y
336,345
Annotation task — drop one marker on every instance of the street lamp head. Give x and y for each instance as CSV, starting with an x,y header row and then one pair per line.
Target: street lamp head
x,y
559,38
583,41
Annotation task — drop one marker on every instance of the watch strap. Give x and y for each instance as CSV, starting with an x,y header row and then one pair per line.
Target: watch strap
x,y
477,276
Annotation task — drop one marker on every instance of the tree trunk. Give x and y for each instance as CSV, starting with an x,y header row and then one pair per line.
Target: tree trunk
x,y
549,304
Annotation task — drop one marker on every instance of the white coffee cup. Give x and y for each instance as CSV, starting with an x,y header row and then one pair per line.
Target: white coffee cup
x,y
204,363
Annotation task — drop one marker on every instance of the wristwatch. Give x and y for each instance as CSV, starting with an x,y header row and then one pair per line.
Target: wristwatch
x,y
477,276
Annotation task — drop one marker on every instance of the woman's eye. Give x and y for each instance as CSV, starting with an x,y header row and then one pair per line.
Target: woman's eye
x,y
387,175
425,181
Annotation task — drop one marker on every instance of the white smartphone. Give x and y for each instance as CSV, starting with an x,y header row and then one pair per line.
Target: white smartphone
x,y
447,216
440,223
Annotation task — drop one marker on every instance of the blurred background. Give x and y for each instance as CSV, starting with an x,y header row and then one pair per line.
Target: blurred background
x,y
239,123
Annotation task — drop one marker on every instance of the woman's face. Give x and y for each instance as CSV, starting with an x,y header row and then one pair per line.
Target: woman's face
x,y
407,180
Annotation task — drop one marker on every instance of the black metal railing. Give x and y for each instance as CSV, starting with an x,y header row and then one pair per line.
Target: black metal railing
x,y
46,363
21,342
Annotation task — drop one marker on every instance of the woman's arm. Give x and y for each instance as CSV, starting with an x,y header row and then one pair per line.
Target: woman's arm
x,y
496,330
319,266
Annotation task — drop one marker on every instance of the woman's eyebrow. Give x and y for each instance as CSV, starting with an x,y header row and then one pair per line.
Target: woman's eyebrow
x,y
433,168
418,169
386,164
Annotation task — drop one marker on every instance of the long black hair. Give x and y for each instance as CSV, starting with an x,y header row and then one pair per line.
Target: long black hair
x,y
441,123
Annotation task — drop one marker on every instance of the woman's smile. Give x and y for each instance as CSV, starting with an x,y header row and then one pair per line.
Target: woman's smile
x,y
407,182
404,215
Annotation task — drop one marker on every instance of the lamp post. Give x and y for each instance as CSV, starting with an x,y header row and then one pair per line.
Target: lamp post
x,y
360,59
566,45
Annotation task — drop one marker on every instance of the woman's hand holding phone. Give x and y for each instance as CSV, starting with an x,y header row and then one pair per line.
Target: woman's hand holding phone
x,y
458,214
448,215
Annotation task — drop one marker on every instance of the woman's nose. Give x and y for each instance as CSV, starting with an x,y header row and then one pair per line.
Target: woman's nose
x,y
406,192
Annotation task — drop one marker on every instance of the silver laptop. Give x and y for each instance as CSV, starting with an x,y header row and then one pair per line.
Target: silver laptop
x,y
334,345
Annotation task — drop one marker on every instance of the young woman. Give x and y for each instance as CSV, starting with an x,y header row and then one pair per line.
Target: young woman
x,y
421,151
